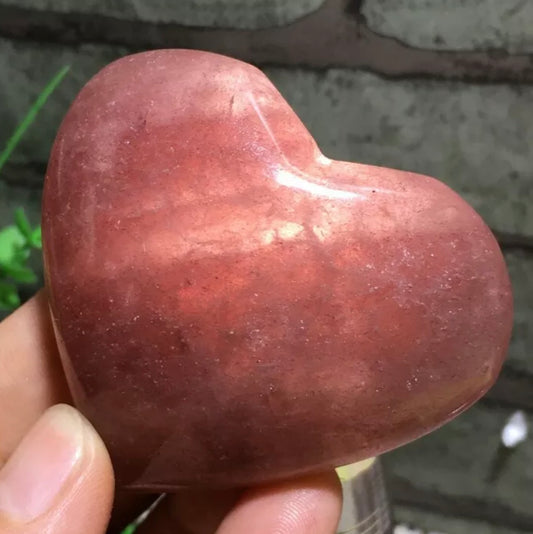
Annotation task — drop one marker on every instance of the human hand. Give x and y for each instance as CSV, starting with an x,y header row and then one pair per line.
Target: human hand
x,y
56,476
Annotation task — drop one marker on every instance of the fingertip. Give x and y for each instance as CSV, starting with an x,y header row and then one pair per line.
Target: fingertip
x,y
308,505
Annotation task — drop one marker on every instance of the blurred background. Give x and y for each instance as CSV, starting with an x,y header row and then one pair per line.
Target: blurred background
x,y
440,87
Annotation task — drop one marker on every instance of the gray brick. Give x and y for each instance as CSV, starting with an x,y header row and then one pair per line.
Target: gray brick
x,y
28,67
251,14
521,350
455,24
456,461
429,523
478,139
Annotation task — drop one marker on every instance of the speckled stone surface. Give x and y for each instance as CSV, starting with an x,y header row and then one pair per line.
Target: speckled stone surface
x,y
249,14
241,307
454,24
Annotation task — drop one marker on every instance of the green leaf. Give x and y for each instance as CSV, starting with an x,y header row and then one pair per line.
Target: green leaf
x,y
11,244
20,273
36,238
23,224
26,122
21,255
9,298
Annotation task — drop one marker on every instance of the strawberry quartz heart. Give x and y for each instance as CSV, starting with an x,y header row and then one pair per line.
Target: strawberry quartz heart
x,y
233,307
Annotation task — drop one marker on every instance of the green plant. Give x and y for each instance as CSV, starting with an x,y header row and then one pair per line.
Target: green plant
x,y
26,122
16,243
19,239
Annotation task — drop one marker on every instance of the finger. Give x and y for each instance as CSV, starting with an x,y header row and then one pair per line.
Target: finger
x,y
32,380
310,505
59,480
31,377
190,512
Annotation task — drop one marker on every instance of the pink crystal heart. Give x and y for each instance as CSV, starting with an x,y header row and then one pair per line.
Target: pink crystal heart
x,y
233,307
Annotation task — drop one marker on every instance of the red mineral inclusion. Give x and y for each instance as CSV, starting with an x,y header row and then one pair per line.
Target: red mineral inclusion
x,y
233,307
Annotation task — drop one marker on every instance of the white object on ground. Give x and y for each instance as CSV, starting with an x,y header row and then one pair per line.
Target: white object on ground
x,y
515,430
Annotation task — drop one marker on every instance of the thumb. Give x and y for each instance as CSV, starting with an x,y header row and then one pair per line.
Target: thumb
x,y
59,480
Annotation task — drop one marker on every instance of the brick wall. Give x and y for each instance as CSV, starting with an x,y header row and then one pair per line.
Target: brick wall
x,y
440,87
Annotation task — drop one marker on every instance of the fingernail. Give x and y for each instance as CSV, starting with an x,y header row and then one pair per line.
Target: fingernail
x,y
33,477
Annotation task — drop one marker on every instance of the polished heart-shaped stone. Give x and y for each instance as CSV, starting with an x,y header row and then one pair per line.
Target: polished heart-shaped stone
x,y
233,307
